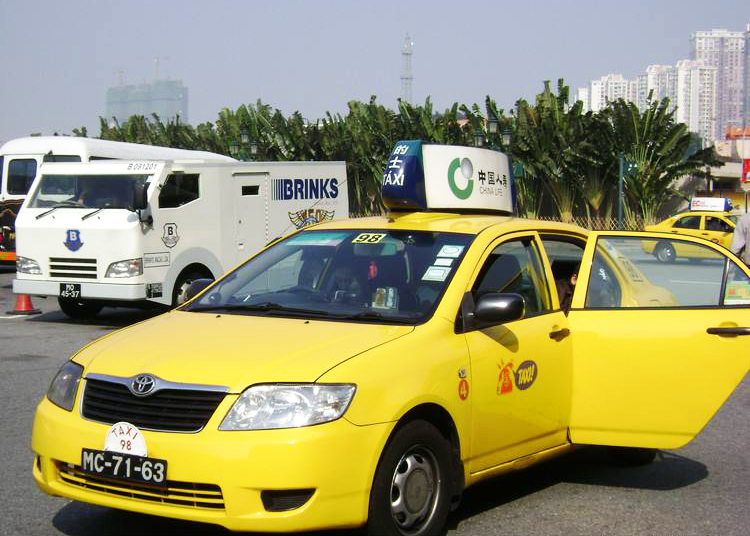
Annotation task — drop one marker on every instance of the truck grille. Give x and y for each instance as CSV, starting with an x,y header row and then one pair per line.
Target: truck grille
x,y
175,493
172,410
72,268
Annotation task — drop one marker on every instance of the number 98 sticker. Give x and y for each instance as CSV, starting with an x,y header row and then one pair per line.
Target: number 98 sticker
x,y
126,438
368,238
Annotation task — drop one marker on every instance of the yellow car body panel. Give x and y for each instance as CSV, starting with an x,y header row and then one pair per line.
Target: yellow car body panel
x,y
588,379
650,376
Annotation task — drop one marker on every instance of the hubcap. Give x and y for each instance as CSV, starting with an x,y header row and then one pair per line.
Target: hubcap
x,y
415,490
664,254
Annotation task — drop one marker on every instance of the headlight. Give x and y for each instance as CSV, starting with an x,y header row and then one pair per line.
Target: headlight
x,y
128,268
25,265
263,407
63,389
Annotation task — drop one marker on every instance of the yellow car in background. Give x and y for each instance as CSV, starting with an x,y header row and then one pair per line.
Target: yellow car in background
x,y
366,371
718,227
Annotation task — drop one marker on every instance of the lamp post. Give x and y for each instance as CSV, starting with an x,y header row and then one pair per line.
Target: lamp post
x,y
506,139
492,128
620,191
246,149
478,138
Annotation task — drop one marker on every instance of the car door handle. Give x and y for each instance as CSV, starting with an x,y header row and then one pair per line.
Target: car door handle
x,y
728,331
560,334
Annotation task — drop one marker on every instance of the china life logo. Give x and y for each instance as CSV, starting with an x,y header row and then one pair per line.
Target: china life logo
x,y
467,170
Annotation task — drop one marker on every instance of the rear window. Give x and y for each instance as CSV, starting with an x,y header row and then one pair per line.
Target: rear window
x,y
62,158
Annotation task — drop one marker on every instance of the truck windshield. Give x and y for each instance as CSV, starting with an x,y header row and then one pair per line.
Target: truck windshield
x,y
86,191
379,276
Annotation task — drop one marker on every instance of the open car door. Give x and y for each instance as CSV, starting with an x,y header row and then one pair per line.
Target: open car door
x,y
657,347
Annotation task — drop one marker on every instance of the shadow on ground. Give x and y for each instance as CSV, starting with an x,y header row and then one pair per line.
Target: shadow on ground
x,y
590,466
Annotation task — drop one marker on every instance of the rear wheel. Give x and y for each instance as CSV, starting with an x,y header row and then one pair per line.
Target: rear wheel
x,y
411,492
664,252
79,309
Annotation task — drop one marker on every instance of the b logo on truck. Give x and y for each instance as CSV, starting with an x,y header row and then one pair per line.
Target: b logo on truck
x,y
170,236
73,240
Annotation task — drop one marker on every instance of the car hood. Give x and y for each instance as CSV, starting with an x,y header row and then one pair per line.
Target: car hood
x,y
232,350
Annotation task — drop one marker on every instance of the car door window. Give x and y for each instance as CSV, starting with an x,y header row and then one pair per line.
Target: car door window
x,y
515,267
717,224
737,289
688,222
624,275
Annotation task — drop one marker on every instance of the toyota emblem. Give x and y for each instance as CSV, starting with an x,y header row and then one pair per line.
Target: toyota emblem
x,y
143,384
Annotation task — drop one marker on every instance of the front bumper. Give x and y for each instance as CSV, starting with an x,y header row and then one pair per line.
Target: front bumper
x,y
97,291
226,471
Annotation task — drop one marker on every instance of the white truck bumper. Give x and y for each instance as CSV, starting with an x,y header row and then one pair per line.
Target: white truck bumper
x,y
102,291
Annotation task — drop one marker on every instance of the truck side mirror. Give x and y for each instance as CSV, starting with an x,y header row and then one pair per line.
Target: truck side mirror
x,y
140,196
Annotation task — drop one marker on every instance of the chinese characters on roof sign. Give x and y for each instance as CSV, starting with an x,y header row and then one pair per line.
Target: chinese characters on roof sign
x,y
447,177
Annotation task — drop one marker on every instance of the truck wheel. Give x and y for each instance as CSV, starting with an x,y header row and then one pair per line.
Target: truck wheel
x,y
182,285
410,493
664,252
631,456
79,309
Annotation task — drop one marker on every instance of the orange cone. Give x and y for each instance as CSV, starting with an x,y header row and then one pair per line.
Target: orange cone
x,y
23,306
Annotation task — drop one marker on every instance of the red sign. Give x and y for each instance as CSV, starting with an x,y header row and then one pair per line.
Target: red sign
x,y
745,171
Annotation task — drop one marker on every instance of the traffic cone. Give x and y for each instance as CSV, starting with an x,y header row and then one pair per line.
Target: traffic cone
x,y
23,306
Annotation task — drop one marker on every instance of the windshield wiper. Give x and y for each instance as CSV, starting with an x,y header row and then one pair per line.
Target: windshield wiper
x,y
254,307
374,315
97,211
61,204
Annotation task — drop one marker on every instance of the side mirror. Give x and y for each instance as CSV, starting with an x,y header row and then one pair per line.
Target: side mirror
x,y
196,287
489,310
140,196
499,308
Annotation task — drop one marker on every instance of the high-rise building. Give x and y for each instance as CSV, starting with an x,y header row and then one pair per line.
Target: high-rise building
x,y
724,50
660,82
166,98
697,97
608,88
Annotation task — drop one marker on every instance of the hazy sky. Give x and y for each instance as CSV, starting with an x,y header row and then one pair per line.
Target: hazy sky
x,y
59,57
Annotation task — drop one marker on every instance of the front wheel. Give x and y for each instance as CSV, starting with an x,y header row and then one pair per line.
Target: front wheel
x,y
179,293
411,492
79,309
664,253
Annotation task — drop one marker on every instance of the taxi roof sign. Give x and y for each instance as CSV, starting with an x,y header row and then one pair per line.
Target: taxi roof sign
x,y
428,177
718,204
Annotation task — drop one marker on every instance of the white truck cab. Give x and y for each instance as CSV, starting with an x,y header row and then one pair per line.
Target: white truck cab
x,y
126,233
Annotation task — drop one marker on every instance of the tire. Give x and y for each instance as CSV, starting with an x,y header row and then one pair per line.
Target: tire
x,y
79,309
182,285
411,491
664,253
631,456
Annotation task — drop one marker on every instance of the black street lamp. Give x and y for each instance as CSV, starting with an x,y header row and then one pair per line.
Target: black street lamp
x,y
478,138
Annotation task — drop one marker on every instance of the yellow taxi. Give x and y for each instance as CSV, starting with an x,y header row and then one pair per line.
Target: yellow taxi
x,y
366,371
708,218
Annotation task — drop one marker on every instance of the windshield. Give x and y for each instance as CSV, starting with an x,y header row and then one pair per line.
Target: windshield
x,y
369,276
86,191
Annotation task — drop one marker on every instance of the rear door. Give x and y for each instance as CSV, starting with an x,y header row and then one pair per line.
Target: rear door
x,y
657,348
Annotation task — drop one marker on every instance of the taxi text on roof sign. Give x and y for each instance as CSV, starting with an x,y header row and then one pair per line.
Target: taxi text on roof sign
x,y
447,177
719,204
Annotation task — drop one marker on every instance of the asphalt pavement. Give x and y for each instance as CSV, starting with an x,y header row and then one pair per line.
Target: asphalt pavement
x,y
702,489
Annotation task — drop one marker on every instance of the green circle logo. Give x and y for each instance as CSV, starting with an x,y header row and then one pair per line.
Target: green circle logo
x,y
467,170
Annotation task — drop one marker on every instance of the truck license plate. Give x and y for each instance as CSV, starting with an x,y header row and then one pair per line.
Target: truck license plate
x,y
70,290
124,466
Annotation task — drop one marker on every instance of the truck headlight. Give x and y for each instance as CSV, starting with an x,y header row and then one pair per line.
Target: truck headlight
x,y
288,405
127,268
24,265
62,391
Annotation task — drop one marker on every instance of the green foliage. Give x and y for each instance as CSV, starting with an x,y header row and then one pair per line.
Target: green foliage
x,y
569,158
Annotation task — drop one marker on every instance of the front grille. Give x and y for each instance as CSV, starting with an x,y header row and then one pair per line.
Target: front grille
x,y
173,410
72,268
176,493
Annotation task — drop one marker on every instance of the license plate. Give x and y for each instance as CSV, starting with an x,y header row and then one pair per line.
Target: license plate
x,y
124,466
70,290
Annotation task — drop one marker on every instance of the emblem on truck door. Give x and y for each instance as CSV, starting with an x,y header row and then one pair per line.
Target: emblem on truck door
x,y
170,236
73,240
